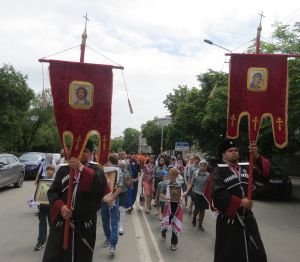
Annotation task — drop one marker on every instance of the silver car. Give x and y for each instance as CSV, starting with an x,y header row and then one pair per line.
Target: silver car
x,y
11,171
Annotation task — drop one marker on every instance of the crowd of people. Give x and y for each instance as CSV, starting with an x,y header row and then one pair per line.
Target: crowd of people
x,y
169,184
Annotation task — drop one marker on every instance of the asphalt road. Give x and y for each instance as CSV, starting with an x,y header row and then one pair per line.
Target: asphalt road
x,y
278,222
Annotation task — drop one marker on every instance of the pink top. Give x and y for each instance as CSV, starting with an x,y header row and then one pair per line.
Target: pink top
x,y
148,173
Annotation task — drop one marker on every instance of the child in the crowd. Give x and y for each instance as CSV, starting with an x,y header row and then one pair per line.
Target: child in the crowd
x,y
44,212
193,168
160,200
197,184
172,216
127,182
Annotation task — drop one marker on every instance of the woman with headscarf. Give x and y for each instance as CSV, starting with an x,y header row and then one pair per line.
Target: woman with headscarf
x,y
134,171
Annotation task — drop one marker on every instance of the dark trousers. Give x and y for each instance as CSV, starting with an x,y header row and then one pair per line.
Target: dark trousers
x,y
231,240
174,238
77,251
156,182
44,214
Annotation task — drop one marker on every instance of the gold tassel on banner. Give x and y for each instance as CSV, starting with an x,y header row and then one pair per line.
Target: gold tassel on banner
x,y
130,107
129,104
213,91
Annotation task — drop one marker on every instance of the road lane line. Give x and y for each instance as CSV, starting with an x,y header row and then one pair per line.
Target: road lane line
x,y
142,248
156,248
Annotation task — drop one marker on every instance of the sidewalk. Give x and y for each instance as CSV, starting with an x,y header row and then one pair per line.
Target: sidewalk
x,y
296,187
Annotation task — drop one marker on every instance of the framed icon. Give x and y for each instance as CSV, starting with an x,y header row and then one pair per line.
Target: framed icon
x,y
257,79
175,193
111,177
41,191
81,95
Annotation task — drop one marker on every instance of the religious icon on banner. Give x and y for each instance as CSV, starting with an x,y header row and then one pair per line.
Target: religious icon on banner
x,y
81,95
175,194
258,89
257,79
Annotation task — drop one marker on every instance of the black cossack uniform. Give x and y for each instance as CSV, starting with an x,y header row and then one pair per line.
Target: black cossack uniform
x,y
89,188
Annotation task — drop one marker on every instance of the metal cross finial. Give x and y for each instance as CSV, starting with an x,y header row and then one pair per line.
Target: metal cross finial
x,y
86,19
261,15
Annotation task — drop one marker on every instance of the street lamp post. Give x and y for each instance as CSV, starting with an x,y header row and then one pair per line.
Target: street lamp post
x,y
212,43
162,139
163,122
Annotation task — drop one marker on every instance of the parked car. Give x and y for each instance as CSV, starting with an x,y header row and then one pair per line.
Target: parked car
x,y
11,171
277,186
32,162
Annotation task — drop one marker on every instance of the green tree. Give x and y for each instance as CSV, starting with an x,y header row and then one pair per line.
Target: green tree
x,y
152,132
131,140
15,97
41,128
196,117
116,144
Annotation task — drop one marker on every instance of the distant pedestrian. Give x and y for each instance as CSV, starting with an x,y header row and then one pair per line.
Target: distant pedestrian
x,y
161,201
193,168
173,163
127,183
44,213
148,176
159,169
134,171
197,184
173,213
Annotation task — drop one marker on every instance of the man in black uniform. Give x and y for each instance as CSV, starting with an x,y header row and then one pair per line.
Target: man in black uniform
x,y
237,234
89,186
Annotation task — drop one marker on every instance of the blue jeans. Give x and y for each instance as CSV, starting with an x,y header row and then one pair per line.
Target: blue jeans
x,y
110,221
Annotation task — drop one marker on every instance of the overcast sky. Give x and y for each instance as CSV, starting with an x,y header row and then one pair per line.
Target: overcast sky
x,y
159,42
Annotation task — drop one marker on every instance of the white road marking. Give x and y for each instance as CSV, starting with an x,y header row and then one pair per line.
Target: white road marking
x,y
142,248
137,204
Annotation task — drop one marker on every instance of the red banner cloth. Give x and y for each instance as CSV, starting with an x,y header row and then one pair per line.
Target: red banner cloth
x,y
258,88
82,97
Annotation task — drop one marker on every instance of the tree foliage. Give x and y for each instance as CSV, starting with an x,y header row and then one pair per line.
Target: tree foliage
x,y
152,132
131,140
116,144
27,120
197,117
15,97
41,128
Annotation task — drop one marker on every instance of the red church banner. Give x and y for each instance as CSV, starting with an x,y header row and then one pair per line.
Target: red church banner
x,y
82,97
258,88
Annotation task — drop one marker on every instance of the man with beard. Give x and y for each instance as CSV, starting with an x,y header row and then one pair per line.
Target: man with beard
x,y
237,234
90,186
